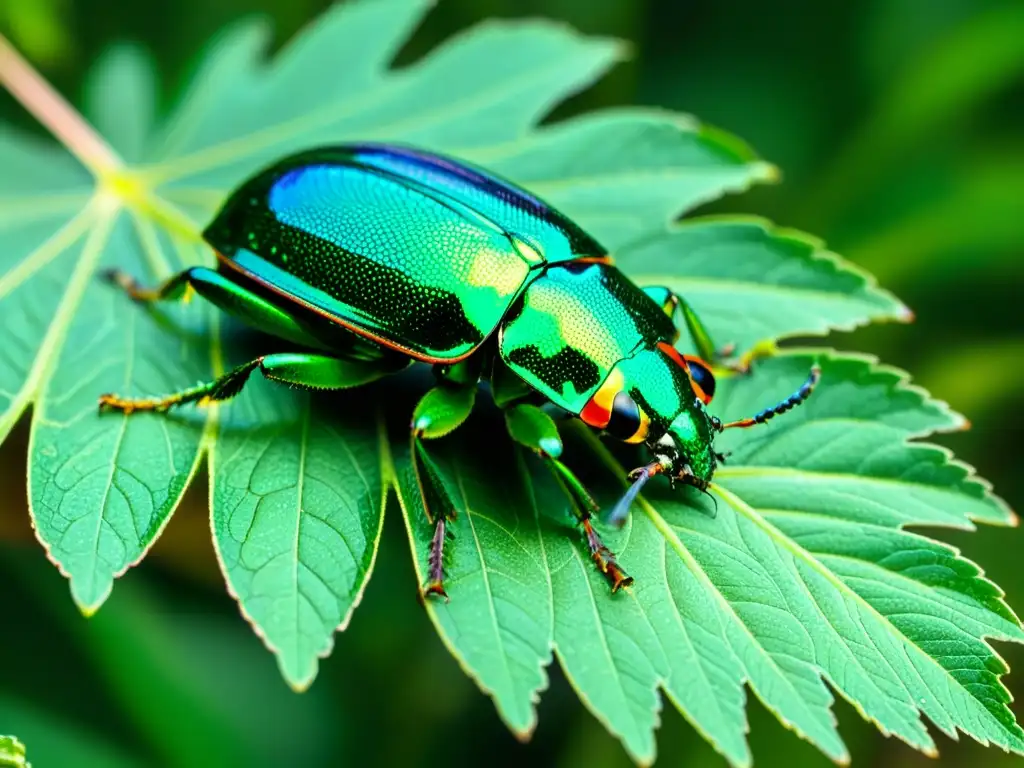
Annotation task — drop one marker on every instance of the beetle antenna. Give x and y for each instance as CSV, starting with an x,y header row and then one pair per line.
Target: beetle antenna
x,y
639,477
790,402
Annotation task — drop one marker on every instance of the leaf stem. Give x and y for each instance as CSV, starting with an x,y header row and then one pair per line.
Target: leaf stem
x,y
54,112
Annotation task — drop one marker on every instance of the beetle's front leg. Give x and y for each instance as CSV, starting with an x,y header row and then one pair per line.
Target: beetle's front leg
x,y
672,303
441,410
530,426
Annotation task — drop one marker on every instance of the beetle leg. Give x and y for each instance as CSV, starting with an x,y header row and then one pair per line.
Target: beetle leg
x,y
174,288
672,303
304,370
441,410
507,387
225,294
532,427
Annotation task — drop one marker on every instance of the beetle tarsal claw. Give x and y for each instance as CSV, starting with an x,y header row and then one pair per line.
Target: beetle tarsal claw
x,y
435,562
436,589
605,560
111,402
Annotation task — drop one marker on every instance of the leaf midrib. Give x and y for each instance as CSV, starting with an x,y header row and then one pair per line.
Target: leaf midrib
x,y
51,248
677,615
106,213
109,485
487,585
670,536
299,491
724,473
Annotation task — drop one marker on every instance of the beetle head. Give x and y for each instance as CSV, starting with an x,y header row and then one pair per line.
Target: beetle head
x,y
686,451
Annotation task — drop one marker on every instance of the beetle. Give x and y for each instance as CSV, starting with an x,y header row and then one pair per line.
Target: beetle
x,y
373,256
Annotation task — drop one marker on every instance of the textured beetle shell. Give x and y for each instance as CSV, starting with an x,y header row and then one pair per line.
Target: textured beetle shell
x,y
419,252
573,324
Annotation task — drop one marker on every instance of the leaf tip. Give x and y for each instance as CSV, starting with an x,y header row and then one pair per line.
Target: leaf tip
x,y
621,50
524,734
841,758
768,173
87,610
90,602
299,684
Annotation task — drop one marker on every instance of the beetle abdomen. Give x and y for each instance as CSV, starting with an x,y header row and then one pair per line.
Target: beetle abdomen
x,y
413,250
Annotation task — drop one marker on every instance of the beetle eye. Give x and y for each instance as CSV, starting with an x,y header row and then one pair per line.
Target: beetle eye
x,y
628,422
702,377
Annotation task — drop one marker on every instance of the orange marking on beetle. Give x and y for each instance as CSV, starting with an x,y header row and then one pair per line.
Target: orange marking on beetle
x,y
606,259
683,361
672,352
598,410
697,388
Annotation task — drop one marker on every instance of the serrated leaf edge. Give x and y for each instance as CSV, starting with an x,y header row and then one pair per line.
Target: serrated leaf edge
x,y
816,253
522,734
659,522
928,747
902,383
298,686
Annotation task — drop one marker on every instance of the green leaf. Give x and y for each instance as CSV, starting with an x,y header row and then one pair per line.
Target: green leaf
x,y
807,576
501,628
12,753
298,504
103,488
752,282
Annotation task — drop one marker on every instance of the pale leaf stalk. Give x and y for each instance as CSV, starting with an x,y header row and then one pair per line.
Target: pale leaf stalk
x,y
54,112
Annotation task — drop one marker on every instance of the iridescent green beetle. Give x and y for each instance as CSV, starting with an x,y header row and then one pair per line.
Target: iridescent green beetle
x,y
378,255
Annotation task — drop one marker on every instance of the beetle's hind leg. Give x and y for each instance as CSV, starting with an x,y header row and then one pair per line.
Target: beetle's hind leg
x,y
532,427
304,370
174,288
441,410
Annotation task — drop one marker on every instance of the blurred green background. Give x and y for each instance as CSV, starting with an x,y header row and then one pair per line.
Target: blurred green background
x,y
899,127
